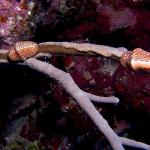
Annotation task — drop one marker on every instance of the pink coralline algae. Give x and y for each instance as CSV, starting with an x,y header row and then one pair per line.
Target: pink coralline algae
x,y
133,87
118,19
16,20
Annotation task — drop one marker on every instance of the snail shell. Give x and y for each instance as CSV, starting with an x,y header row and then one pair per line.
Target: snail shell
x,y
137,59
125,59
23,50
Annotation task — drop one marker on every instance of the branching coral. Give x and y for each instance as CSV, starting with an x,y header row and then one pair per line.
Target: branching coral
x,y
83,98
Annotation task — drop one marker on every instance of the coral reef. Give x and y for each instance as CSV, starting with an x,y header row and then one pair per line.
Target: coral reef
x,y
118,23
17,20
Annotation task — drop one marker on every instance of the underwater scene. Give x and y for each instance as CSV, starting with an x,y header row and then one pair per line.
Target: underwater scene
x,y
74,74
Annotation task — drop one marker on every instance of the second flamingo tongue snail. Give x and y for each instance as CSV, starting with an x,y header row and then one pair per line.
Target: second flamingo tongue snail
x,y
136,59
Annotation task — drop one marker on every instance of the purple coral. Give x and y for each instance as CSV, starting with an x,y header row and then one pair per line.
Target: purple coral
x,y
16,19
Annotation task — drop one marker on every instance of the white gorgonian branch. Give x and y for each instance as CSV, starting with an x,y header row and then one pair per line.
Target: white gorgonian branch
x,y
136,59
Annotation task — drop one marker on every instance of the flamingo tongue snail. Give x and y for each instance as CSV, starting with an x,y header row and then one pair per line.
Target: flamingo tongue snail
x,y
23,50
136,59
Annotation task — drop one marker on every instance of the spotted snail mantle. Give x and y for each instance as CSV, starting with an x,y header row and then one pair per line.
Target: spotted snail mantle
x,y
138,59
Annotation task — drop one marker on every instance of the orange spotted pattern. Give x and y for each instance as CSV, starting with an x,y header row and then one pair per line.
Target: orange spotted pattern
x,y
23,50
139,54
125,60
13,55
136,59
